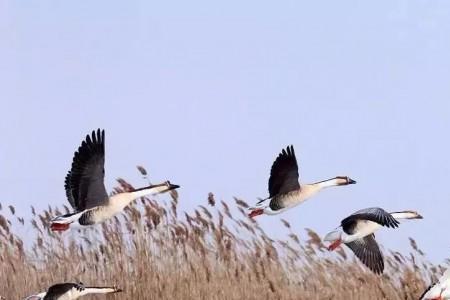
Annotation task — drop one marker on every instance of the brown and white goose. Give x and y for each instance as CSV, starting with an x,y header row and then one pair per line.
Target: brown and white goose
x,y
358,234
285,190
86,191
71,291
439,290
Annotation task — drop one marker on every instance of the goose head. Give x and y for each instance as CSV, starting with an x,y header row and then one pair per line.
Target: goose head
x,y
344,180
169,186
410,214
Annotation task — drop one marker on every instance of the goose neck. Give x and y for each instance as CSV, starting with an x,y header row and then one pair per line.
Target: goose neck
x,y
326,183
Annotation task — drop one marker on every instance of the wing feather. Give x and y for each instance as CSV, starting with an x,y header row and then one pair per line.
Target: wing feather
x,y
56,291
368,252
84,182
284,173
374,214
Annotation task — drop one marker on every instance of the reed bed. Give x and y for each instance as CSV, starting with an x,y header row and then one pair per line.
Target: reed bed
x,y
154,251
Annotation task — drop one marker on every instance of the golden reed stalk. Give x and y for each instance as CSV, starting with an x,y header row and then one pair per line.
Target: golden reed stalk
x,y
152,251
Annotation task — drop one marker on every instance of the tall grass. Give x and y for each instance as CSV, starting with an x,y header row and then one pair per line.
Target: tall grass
x,y
154,251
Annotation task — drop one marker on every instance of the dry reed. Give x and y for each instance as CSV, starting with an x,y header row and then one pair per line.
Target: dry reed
x,y
153,251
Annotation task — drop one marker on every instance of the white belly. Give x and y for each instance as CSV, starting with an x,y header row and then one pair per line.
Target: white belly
x,y
114,206
103,213
362,229
293,199
70,295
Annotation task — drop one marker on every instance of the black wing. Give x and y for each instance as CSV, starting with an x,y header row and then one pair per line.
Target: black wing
x,y
57,290
366,249
374,214
284,173
84,182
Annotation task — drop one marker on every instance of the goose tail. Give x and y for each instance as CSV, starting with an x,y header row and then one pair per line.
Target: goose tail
x,y
62,223
259,208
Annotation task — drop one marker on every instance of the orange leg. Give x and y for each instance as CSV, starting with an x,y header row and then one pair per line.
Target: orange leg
x,y
334,245
59,227
256,212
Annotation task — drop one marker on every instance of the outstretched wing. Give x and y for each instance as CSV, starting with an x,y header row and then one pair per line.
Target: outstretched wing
x,y
366,249
84,182
57,290
284,173
374,214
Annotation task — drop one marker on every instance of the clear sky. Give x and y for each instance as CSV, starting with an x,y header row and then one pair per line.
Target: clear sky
x,y
206,94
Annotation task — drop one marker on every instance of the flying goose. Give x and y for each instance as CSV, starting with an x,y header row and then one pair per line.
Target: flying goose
x,y
71,291
285,190
86,191
439,290
358,234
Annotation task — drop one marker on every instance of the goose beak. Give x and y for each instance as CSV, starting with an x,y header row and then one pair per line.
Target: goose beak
x,y
418,216
351,181
172,186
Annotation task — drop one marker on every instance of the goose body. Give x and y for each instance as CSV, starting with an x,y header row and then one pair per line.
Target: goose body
x,y
358,234
285,191
71,291
439,290
85,189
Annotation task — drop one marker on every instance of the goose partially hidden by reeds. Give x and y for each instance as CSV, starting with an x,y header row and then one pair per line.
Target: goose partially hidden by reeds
x,y
358,234
86,191
285,190
439,290
71,291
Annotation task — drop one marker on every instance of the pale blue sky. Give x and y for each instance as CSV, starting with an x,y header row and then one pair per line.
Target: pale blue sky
x,y
206,94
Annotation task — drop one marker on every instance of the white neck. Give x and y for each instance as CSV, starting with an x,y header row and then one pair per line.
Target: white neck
x,y
148,191
309,190
97,290
326,183
121,200
404,215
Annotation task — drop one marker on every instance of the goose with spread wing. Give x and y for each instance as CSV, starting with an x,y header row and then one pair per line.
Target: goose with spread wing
x,y
357,233
85,189
71,291
439,290
285,190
